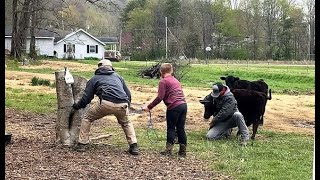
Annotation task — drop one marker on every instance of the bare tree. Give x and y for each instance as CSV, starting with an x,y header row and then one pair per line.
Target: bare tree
x,y
34,24
14,28
19,33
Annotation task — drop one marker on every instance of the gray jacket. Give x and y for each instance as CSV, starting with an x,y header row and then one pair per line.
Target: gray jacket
x,y
226,106
107,85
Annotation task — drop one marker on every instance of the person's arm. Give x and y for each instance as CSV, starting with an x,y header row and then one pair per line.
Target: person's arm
x,y
225,111
161,94
87,96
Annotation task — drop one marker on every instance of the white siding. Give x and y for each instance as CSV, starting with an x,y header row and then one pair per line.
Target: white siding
x,y
44,46
7,43
81,40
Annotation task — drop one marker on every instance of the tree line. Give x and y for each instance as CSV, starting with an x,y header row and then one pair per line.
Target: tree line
x,y
27,17
233,29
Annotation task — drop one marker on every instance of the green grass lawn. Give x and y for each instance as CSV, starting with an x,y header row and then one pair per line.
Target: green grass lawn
x,y
274,155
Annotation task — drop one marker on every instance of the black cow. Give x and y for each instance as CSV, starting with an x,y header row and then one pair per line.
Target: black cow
x,y
235,83
250,103
259,85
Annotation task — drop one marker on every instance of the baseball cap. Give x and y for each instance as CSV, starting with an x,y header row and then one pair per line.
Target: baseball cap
x,y
216,89
104,62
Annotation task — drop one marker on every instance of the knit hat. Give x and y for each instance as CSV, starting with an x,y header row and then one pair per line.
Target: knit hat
x,y
216,89
104,62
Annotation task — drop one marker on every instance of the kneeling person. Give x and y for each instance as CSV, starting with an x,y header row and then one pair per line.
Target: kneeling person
x,y
227,116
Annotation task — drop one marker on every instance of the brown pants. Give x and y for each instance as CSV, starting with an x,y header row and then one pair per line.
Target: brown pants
x,y
97,111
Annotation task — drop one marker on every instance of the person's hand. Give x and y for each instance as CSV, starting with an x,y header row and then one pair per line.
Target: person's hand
x,y
76,106
145,109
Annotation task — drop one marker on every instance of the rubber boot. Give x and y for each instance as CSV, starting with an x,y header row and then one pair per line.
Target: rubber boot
x,y
80,147
133,149
168,150
183,150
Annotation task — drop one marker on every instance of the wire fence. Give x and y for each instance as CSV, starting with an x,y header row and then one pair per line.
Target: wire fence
x,y
296,67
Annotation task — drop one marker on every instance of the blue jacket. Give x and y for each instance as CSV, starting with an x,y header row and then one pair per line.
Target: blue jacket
x,y
107,85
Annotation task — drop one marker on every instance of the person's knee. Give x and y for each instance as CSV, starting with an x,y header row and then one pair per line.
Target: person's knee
x,y
237,115
123,121
211,135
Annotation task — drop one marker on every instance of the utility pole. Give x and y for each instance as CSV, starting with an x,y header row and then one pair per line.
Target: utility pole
x,y
166,20
309,47
120,40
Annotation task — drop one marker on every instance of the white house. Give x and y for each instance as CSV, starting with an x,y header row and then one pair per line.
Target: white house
x,y
79,45
44,45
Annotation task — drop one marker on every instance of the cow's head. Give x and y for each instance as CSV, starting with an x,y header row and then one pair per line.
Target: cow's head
x,y
230,81
209,107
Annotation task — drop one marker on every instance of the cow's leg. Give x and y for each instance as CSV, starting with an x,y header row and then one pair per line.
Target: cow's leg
x,y
254,129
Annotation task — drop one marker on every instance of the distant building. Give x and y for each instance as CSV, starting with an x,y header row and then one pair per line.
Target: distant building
x,y
79,45
44,42
74,45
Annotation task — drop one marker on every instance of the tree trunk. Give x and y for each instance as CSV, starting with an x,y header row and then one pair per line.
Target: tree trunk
x,y
22,30
33,53
67,125
14,28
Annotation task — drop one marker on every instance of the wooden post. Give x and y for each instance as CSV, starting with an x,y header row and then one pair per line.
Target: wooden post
x,y
67,125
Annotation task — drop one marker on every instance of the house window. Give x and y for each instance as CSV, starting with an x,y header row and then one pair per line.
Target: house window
x,y
71,48
92,48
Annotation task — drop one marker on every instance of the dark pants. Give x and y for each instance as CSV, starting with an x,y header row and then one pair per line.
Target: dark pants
x,y
176,120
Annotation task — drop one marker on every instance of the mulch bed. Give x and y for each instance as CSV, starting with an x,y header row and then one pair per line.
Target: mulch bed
x,y
32,154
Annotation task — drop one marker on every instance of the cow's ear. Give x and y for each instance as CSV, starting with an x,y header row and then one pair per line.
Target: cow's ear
x,y
203,101
223,78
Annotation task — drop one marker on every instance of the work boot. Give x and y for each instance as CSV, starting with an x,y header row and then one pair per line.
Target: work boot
x,y
80,147
183,150
168,150
133,149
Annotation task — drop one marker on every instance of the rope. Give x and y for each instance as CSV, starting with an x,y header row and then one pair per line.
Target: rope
x,y
150,130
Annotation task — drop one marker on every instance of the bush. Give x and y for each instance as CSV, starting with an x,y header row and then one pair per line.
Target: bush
x,y
40,82
91,58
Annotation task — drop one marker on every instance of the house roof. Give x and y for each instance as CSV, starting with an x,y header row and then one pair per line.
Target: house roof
x,y
38,32
60,35
108,39
71,34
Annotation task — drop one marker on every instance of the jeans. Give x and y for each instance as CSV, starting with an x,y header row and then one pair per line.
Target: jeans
x,y
176,120
221,129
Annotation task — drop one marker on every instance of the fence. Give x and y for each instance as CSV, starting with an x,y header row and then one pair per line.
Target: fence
x,y
266,65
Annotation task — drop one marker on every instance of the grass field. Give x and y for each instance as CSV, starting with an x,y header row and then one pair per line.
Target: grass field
x,y
276,155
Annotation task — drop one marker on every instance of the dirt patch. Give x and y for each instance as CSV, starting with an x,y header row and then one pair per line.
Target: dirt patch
x,y
33,155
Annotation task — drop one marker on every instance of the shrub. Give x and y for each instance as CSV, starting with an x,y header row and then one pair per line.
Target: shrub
x,y
91,58
39,82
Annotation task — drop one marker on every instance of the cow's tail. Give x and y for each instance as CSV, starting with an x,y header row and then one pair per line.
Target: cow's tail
x,y
269,97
